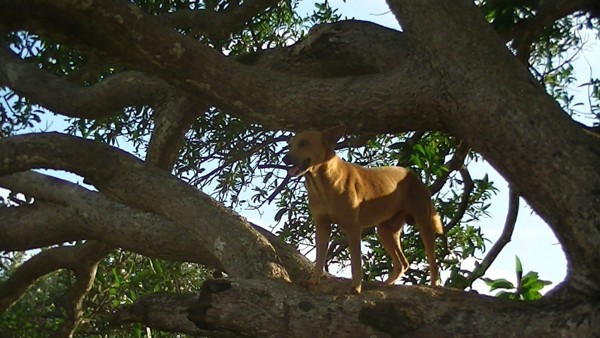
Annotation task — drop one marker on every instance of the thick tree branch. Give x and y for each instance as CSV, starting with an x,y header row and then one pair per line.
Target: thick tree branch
x,y
167,312
20,226
217,25
143,187
509,127
103,99
264,308
89,215
172,118
138,41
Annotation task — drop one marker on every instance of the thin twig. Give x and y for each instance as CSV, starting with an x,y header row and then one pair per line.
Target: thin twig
x,y
464,200
505,237
455,163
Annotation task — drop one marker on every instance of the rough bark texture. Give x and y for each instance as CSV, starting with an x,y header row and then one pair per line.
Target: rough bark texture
x,y
265,308
451,74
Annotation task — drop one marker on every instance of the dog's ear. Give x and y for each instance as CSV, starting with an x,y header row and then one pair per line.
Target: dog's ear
x,y
332,135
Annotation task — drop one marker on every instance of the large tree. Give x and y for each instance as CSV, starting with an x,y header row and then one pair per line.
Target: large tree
x,y
206,92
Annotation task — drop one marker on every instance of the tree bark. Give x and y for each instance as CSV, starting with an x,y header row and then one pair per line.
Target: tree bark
x,y
267,308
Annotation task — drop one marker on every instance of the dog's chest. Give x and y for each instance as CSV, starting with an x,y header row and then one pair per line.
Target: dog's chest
x,y
338,205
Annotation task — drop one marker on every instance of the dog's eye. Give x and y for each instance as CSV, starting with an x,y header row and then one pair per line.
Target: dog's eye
x,y
302,143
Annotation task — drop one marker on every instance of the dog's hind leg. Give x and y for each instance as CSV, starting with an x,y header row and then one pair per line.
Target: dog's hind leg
x,y
389,235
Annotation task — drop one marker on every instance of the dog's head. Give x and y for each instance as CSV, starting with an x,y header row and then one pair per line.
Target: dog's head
x,y
310,148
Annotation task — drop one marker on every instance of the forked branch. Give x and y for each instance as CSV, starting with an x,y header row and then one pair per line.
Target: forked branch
x,y
48,261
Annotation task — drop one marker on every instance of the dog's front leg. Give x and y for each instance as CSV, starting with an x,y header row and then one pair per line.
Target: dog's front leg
x,y
323,231
354,237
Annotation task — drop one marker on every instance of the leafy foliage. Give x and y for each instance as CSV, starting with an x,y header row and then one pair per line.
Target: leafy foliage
x,y
122,277
528,286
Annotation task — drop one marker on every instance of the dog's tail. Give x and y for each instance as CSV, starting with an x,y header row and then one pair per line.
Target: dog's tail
x,y
436,223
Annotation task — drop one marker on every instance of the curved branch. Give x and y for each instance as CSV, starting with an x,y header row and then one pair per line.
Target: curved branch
x,y
46,262
569,204
103,99
20,226
172,118
464,199
89,215
143,187
84,214
505,237
455,163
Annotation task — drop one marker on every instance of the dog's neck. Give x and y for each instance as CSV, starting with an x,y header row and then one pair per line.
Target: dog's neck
x,y
326,173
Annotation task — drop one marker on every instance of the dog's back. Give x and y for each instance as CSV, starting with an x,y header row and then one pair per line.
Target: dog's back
x,y
384,192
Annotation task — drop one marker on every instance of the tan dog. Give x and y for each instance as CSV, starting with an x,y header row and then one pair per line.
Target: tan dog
x,y
356,197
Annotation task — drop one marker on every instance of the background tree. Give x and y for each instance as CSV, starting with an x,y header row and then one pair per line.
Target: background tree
x,y
207,92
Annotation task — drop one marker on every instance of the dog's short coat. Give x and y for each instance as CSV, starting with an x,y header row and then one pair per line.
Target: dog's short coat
x,y
355,197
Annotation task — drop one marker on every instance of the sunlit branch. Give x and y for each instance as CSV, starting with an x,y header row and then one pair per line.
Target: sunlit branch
x,y
85,214
97,217
267,98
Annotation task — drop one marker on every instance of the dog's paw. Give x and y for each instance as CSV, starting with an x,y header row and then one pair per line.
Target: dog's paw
x,y
355,289
315,279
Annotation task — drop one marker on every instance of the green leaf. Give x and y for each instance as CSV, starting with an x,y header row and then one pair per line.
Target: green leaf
x,y
499,284
519,268
505,295
531,295
280,214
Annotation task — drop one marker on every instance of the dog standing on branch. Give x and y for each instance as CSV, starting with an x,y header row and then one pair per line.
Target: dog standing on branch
x,y
355,197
